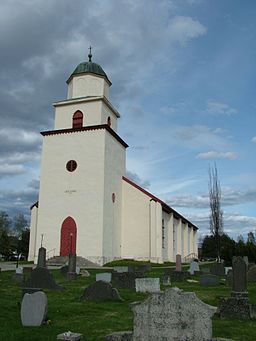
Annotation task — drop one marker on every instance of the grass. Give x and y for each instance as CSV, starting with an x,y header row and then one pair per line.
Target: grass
x,y
97,319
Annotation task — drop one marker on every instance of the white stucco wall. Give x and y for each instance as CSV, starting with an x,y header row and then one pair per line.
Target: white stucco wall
x,y
95,112
87,85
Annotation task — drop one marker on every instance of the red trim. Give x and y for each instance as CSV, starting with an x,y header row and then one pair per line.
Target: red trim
x,y
95,127
165,207
34,205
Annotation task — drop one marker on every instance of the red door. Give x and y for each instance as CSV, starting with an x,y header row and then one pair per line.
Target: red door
x,y
68,237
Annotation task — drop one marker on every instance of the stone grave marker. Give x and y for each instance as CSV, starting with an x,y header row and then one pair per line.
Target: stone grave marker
x,y
84,273
42,278
69,336
227,268
237,306
121,269
194,266
41,261
104,276
78,270
172,315
143,268
208,279
64,270
251,274
178,263
27,269
18,276
147,284
33,309
100,290
126,280
205,270
229,278
218,269
175,276
71,274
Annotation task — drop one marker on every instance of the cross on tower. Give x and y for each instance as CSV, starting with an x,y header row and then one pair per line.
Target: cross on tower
x,y
90,54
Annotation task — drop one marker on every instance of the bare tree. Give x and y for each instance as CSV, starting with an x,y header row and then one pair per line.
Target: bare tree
x,y
216,214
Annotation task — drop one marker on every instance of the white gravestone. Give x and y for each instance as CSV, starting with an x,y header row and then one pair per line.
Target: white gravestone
x,y
194,266
104,276
147,284
33,309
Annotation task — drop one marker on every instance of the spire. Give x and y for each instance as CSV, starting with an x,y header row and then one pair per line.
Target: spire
x,y
90,54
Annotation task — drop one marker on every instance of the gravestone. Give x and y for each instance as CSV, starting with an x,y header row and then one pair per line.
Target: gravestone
x,y
178,263
69,336
227,268
104,276
78,270
208,279
175,276
237,306
194,266
64,270
125,280
251,274
71,274
84,273
166,280
18,278
41,261
218,269
19,270
99,291
229,278
147,284
34,309
121,269
143,268
205,270
42,278
27,269
119,336
172,315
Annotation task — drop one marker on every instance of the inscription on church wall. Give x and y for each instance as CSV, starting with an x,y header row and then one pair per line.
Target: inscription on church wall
x,y
70,191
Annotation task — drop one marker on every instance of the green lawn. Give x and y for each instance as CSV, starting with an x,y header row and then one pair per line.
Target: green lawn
x,y
97,319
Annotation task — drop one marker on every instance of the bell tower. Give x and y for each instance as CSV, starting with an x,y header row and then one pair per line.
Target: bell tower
x,y
83,161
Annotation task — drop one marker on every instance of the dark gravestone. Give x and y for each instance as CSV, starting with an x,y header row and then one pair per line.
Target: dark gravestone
x,y
99,291
209,279
71,275
218,269
34,309
25,290
251,274
205,270
176,276
27,269
119,336
42,278
237,306
178,263
143,267
125,280
229,278
41,261
239,275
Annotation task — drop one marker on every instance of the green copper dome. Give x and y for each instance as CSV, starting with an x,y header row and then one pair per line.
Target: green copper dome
x,y
89,67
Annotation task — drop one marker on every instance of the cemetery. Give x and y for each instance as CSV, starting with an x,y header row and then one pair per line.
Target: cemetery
x,y
201,306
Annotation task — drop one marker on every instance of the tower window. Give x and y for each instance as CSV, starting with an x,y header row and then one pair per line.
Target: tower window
x,y
71,165
109,121
78,119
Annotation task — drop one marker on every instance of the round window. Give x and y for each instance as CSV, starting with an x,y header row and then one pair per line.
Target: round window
x,y
71,165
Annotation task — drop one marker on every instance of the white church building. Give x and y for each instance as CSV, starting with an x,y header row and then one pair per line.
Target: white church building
x,y
86,203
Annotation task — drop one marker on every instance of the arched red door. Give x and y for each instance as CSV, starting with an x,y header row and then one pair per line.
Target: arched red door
x,y
68,237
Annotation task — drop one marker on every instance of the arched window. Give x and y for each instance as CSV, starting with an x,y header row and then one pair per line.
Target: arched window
x,y
78,119
109,121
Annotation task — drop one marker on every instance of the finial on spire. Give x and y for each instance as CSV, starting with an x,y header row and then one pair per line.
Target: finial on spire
x,y
90,54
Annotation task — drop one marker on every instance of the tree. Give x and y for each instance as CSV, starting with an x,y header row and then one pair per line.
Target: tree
x,y
20,223
5,222
5,248
216,214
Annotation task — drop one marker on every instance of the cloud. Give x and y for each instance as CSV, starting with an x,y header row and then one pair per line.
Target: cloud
x,y
254,139
218,108
11,170
134,177
217,155
181,29
229,197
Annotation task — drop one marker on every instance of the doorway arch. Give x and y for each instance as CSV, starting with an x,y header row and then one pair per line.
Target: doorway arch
x,y
68,237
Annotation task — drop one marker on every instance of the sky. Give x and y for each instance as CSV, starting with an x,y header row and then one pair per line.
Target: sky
x,y
183,79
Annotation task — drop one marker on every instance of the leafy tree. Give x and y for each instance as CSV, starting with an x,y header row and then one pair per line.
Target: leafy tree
x,y
5,248
5,222
20,224
23,244
216,214
251,238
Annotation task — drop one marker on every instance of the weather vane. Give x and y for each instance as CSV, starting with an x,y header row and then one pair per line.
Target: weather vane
x,y
90,54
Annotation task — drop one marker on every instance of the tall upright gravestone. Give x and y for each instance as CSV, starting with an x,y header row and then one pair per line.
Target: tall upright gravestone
x,y
41,261
178,263
71,274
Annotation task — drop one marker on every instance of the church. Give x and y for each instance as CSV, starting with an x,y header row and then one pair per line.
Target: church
x,y
86,203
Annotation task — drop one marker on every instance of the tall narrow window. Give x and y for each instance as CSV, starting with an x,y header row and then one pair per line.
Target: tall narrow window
x,y
78,119
109,121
